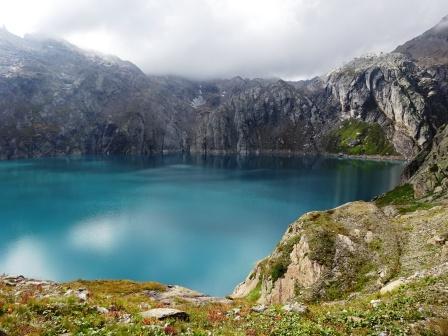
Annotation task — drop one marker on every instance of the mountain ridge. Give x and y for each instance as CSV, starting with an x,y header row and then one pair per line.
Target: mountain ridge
x,y
60,100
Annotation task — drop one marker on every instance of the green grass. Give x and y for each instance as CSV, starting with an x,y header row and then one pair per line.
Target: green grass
x,y
255,293
356,137
276,267
413,304
402,197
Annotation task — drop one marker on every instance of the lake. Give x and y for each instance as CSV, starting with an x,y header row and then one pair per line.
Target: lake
x,y
188,220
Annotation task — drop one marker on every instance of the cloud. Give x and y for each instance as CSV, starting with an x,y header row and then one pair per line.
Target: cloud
x,y
100,234
223,38
27,256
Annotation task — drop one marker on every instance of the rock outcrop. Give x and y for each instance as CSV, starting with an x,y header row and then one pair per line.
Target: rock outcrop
x,y
431,177
358,248
327,254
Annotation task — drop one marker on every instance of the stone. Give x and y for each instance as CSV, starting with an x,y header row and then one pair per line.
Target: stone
x,y
368,238
164,313
438,190
295,308
82,294
125,319
392,286
173,293
390,211
102,310
236,311
354,319
438,239
258,309
375,303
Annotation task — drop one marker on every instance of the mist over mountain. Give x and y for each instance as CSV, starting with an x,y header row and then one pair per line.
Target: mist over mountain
x,y
58,99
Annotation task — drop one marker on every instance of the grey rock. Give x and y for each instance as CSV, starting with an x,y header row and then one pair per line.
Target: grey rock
x,y
368,238
82,294
392,286
102,310
295,308
173,293
375,303
164,313
438,190
125,319
258,308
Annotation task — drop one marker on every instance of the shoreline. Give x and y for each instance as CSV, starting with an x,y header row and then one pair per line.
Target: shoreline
x,y
392,158
267,153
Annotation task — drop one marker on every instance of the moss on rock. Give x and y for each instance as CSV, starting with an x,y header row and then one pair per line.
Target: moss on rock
x,y
356,137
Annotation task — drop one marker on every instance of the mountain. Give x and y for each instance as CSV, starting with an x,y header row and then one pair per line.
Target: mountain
x,y
431,47
57,99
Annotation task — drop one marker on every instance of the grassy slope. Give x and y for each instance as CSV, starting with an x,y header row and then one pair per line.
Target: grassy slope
x,y
412,308
356,137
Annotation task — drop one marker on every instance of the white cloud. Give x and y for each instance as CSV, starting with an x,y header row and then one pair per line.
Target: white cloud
x,y
29,257
223,38
99,234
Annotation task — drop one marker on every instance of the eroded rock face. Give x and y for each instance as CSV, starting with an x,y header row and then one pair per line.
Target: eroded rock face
x,y
326,254
392,91
431,176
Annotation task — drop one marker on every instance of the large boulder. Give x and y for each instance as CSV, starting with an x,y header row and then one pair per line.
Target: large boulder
x,y
165,313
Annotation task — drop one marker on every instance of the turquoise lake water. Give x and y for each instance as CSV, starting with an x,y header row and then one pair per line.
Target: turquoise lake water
x,y
196,222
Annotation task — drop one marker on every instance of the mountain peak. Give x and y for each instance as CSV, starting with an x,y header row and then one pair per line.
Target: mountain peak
x,y
442,25
429,48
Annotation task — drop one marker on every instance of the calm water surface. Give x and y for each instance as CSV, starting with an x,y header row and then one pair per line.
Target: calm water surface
x,y
197,222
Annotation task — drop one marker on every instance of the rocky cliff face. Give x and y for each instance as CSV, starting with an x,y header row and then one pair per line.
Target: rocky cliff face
x,y
57,99
431,177
394,92
326,255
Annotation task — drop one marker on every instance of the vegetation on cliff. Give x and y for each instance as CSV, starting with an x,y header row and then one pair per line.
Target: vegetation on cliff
x,y
357,137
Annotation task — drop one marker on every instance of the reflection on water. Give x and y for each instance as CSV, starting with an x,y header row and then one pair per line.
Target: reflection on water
x,y
195,221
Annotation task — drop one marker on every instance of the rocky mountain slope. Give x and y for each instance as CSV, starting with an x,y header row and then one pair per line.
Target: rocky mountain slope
x,y
431,47
57,99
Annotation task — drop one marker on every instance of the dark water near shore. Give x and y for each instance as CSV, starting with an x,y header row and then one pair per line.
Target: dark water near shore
x,y
197,222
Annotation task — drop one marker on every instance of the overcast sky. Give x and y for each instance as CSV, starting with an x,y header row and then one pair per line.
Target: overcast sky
x,y
223,38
